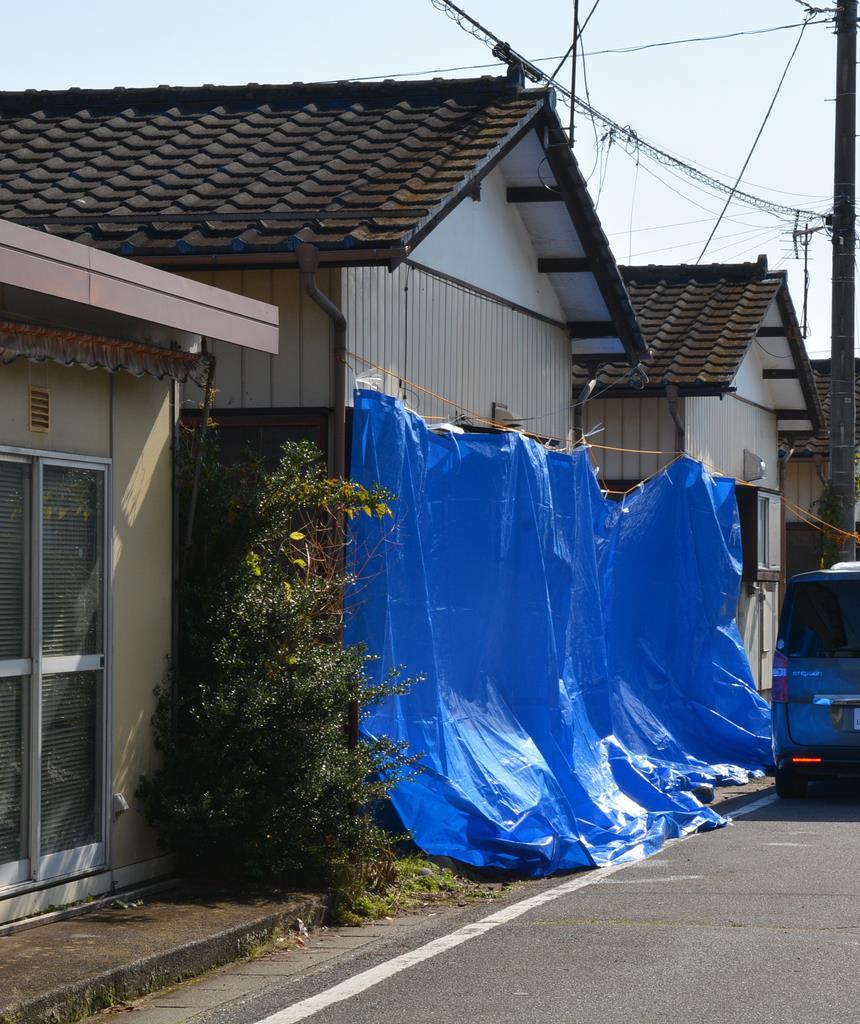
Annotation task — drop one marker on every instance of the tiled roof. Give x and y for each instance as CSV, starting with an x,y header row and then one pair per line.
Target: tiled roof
x,y
808,446
697,321
75,348
257,168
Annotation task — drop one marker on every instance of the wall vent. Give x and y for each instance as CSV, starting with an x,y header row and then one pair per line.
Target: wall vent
x,y
40,410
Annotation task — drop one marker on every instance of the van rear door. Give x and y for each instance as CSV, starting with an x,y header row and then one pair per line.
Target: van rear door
x,y
821,638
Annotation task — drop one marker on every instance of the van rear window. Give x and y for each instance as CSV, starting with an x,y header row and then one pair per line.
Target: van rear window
x,y
824,620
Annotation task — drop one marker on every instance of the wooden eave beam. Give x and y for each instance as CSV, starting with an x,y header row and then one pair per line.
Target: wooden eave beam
x,y
801,360
564,265
771,332
533,194
792,414
768,374
592,329
573,190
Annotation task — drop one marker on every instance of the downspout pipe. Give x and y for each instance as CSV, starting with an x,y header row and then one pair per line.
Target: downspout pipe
x,y
198,453
309,259
677,419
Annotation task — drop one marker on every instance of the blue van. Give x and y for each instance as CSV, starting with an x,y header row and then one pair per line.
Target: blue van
x,y
816,680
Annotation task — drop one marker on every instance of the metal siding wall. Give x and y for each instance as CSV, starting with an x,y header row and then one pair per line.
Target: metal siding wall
x,y
717,433
719,430
642,424
802,487
300,374
464,347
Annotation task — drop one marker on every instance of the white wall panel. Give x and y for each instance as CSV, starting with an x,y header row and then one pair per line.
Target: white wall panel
x,y
638,424
471,351
718,430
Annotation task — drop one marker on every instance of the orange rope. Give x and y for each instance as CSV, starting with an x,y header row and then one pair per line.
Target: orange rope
x,y
583,443
812,520
456,405
631,451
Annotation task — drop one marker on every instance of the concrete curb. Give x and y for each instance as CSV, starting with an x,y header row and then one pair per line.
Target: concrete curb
x,y
167,967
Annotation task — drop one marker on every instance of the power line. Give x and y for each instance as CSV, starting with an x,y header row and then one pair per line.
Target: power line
x,y
707,39
747,235
824,201
660,156
755,142
680,224
675,191
562,57
589,16
577,36
585,80
691,171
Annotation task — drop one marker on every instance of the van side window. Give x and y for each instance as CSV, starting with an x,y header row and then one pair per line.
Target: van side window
x,y
824,620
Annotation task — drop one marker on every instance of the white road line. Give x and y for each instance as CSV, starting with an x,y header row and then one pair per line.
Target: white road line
x,y
756,805
650,880
367,979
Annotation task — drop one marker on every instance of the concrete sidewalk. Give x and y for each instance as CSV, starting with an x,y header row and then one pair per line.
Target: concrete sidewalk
x,y
64,970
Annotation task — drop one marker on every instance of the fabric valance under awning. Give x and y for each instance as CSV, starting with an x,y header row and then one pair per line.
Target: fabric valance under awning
x,y
75,348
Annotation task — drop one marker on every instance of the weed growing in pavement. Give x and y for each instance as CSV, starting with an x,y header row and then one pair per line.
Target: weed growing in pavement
x,y
412,882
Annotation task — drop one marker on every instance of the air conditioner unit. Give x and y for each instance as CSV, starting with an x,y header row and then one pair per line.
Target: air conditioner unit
x,y
503,416
754,466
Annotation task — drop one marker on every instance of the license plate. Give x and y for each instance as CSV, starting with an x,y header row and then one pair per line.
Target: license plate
x,y
857,718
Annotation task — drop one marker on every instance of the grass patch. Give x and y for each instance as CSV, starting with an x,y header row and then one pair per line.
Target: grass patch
x,y
410,882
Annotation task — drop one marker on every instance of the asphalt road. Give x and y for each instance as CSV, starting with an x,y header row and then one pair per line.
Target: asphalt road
x,y
757,922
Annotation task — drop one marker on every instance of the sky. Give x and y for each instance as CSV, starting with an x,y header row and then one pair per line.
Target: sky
x,y
703,101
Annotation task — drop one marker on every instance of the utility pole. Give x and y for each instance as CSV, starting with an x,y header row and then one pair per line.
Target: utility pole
x,y
842,414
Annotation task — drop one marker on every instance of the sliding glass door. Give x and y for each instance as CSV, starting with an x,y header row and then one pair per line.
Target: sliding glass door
x,y
16,666
52,667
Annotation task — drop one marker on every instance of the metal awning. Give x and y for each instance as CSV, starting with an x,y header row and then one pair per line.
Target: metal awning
x,y
74,348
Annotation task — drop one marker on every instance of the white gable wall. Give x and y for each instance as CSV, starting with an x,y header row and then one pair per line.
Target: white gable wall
x,y
748,380
485,244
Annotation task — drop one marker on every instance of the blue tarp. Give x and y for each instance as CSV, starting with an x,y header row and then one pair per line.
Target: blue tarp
x,y
582,667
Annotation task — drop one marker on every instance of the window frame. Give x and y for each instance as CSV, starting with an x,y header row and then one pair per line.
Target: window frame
x,y
760,515
37,867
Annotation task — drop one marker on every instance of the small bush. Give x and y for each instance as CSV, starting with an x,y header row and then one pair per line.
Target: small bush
x,y
257,780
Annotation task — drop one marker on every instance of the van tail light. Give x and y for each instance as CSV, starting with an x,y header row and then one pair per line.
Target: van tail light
x,y
779,686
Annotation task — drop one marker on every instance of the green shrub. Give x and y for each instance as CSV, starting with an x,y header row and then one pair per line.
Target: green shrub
x,y
828,509
257,780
